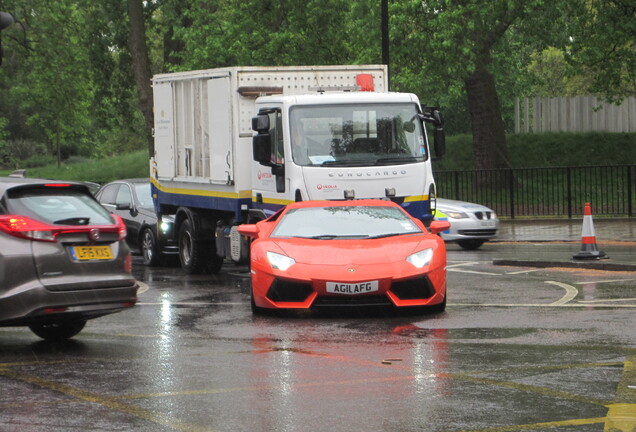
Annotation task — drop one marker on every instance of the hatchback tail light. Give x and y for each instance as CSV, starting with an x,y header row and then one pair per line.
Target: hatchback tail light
x,y
24,227
32,229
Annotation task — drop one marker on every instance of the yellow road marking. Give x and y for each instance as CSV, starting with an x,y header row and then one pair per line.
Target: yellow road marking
x,y
105,401
544,425
622,414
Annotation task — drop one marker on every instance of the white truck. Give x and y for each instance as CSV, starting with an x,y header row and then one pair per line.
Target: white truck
x,y
233,145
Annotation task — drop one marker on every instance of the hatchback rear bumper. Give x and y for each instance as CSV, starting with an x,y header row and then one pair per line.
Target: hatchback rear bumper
x,y
32,304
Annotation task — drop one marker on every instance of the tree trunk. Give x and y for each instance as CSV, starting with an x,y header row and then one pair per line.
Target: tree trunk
x,y
141,65
489,139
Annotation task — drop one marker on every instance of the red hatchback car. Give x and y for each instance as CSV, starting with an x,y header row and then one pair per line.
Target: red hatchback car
x,y
346,253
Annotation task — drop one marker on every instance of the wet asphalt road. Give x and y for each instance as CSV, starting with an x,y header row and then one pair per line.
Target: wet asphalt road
x,y
518,349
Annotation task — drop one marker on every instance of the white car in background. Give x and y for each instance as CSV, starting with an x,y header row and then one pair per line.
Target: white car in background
x,y
471,224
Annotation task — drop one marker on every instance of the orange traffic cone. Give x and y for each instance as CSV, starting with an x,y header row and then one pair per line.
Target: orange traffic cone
x,y
588,238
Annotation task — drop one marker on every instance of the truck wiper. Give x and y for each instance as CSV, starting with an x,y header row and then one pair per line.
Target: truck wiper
x,y
396,160
346,163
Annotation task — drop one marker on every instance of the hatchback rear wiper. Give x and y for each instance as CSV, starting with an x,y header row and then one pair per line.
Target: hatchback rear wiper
x,y
73,221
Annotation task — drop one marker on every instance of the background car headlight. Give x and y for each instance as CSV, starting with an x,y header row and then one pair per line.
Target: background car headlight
x,y
166,224
421,258
280,262
456,215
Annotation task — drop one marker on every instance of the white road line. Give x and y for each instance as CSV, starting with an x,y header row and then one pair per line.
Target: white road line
x,y
457,270
188,303
607,300
604,281
570,293
551,305
463,263
142,287
523,271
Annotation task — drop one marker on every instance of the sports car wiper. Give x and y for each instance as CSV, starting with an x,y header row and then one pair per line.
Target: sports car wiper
x,y
73,221
387,235
333,236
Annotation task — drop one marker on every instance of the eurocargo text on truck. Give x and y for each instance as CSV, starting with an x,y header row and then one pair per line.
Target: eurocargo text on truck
x,y
233,145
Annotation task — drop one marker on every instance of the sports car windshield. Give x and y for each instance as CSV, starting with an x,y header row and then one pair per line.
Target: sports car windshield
x,y
338,222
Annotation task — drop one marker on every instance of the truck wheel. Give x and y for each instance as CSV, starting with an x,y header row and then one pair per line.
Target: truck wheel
x,y
191,251
149,248
214,262
470,244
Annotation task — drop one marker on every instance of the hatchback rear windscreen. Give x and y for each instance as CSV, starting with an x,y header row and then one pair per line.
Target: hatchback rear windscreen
x,y
58,206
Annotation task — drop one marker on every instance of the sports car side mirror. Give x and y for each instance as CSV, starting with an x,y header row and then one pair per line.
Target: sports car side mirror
x,y
248,230
437,226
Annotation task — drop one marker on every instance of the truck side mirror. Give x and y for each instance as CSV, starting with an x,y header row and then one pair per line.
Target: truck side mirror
x,y
440,142
260,123
262,149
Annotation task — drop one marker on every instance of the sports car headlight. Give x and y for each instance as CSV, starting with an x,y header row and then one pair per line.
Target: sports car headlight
x,y
280,262
421,258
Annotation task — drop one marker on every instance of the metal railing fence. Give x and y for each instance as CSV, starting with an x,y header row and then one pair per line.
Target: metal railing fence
x,y
545,192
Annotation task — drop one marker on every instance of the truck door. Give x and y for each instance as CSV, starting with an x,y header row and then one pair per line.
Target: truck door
x,y
270,182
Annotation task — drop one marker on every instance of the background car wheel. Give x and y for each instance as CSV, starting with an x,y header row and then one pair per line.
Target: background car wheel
x,y
470,244
191,252
150,248
58,330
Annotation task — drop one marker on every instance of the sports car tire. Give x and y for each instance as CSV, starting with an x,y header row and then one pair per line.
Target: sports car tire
x,y
58,330
440,307
150,248
470,244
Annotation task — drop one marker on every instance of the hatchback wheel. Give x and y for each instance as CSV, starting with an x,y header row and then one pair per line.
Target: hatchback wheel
x,y
150,248
58,330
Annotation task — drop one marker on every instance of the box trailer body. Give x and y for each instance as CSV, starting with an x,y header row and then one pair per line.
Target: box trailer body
x,y
319,138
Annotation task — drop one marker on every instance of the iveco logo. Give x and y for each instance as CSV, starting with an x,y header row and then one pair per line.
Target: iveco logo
x,y
377,173
94,234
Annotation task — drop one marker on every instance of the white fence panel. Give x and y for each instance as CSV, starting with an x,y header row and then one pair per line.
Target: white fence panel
x,y
574,114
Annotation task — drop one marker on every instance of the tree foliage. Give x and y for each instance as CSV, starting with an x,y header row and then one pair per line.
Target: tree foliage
x,y
75,77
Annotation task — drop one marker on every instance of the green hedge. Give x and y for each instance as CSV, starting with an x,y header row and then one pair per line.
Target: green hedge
x,y
548,150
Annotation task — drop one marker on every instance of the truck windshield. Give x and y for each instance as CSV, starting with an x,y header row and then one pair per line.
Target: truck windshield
x,y
352,135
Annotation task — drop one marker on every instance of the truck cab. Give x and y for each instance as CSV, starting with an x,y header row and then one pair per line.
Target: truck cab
x,y
336,146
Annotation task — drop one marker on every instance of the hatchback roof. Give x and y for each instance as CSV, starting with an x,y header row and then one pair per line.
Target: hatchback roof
x,y
10,182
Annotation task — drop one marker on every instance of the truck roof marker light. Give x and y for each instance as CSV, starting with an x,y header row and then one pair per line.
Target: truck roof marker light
x,y
389,192
349,194
365,82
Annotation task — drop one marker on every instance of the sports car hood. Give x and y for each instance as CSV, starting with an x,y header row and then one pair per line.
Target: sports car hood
x,y
359,251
